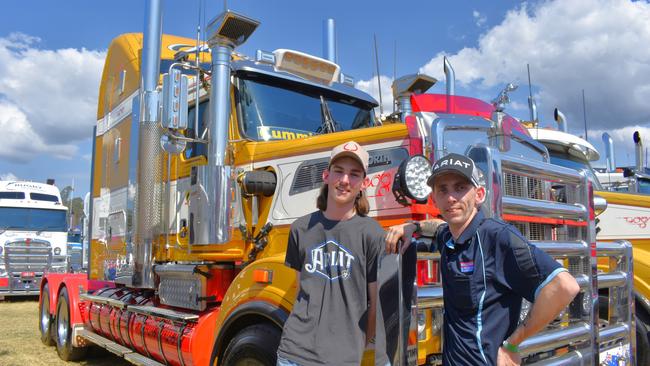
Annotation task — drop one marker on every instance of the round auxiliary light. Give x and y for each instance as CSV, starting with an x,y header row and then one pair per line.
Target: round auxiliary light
x,y
57,251
411,180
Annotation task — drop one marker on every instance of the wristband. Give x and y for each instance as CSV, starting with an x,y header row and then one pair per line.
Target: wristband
x,y
418,228
510,347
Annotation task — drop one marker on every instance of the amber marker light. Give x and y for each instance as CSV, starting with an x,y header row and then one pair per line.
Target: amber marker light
x,y
263,276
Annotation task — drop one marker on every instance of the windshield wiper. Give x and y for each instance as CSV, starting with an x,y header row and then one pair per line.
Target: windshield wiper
x,y
328,124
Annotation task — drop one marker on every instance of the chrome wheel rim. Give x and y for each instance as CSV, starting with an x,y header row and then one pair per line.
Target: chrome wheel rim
x,y
45,315
62,325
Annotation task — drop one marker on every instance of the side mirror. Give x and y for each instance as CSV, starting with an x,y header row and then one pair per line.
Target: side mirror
x,y
627,172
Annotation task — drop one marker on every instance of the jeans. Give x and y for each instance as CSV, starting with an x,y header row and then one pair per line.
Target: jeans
x,y
284,362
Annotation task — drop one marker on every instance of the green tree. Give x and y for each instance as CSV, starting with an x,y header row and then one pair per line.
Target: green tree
x,y
75,206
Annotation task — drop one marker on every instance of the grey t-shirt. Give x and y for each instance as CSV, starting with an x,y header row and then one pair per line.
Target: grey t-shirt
x,y
336,261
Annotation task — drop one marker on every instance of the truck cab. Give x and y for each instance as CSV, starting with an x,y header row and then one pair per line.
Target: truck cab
x,y
33,224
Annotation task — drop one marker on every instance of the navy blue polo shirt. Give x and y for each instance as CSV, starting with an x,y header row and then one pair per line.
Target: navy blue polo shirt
x,y
485,275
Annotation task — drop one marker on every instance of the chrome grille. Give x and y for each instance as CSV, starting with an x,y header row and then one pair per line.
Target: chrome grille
x,y
531,230
519,186
28,256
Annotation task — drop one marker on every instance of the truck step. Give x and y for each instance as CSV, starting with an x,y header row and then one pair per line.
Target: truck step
x,y
128,354
140,360
164,313
103,300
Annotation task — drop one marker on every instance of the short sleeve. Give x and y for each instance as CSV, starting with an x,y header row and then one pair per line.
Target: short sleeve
x,y
372,256
439,238
293,258
526,268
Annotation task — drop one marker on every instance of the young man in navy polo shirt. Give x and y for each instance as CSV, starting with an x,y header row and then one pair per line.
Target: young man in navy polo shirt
x,y
487,267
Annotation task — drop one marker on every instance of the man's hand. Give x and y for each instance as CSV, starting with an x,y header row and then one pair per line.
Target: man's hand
x,y
397,232
405,232
507,358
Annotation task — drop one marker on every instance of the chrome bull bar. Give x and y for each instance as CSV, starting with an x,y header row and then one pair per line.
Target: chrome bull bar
x,y
619,331
574,338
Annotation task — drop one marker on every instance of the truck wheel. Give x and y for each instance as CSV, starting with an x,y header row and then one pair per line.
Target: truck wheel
x,y
45,323
255,345
64,331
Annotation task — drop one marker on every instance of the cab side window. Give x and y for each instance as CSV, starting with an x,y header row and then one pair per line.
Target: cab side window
x,y
195,149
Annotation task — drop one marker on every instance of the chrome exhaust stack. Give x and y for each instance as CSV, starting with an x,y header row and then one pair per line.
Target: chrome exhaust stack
x,y
329,40
561,120
532,106
225,32
148,210
450,83
407,85
638,151
609,152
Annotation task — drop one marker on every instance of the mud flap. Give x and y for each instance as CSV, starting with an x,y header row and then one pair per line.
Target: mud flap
x,y
396,334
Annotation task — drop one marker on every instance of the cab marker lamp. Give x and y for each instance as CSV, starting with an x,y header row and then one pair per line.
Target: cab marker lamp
x,y
411,180
307,66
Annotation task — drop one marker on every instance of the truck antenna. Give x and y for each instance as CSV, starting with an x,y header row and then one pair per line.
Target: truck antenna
x,y
584,114
381,108
531,101
394,71
198,73
530,88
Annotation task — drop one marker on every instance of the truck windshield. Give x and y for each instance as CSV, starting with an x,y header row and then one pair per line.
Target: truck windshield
x,y
33,219
574,163
284,110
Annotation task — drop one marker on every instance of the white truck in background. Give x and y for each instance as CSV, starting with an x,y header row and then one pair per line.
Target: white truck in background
x,y
33,236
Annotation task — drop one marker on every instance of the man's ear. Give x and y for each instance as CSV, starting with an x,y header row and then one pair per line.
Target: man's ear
x,y
480,195
326,175
366,183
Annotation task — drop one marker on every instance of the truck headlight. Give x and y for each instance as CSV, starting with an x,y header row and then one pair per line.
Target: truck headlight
x,y
57,251
411,180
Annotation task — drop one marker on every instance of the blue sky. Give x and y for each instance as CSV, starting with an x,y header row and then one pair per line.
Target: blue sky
x,y
51,55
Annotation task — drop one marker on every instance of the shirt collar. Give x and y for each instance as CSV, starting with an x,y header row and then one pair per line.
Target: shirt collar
x,y
469,231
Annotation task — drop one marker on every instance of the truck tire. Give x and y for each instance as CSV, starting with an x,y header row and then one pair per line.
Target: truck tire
x,y
255,345
63,331
45,318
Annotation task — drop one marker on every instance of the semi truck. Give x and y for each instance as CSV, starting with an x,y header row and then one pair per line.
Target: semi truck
x,y
622,220
202,159
455,122
32,236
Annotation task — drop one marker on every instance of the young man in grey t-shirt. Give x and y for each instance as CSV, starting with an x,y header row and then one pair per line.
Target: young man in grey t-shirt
x,y
334,250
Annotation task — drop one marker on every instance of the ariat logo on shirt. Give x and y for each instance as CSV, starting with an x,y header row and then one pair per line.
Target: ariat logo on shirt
x,y
467,267
331,260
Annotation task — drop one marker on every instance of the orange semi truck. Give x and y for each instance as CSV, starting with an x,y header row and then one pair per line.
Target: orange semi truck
x,y
196,180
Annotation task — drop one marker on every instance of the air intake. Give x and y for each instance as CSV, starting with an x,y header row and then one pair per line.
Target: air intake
x,y
232,27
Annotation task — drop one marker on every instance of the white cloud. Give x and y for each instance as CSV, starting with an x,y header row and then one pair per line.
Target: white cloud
x,y
595,45
371,87
50,97
24,143
8,176
479,19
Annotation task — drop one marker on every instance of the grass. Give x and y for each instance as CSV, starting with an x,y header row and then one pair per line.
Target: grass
x,y
20,344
